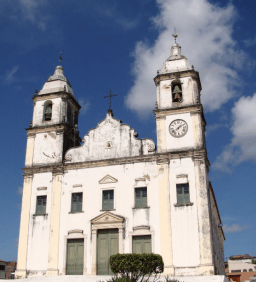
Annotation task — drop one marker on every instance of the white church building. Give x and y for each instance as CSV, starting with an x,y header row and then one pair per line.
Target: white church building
x,y
116,193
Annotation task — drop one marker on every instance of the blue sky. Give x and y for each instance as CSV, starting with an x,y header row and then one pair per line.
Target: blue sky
x,y
120,45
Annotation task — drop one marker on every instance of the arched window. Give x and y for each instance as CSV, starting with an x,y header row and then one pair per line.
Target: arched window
x,y
245,270
250,269
48,110
176,92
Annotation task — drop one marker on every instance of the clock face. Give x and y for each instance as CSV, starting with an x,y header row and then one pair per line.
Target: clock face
x,y
178,128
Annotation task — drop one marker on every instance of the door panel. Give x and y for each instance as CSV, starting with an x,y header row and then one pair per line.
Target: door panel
x,y
107,245
75,257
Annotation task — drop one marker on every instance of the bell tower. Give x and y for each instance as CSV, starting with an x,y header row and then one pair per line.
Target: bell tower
x,y
179,112
53,129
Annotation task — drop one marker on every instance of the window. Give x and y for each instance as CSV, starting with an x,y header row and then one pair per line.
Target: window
x,y
2,267
107,199
182,194
245,270
41,205
77,202
141,244
141,198
48,111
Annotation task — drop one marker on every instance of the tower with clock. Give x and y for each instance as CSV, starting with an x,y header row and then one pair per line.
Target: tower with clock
x,y
110,192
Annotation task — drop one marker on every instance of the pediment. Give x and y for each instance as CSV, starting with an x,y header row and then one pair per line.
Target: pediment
x,y
107,217
108,179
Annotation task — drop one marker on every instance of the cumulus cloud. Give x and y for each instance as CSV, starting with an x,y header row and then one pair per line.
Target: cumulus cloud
x,y
205,35
243,144
234,228
9,76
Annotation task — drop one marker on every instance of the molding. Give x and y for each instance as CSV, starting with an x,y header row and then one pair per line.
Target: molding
x,y
182,176
41,188
183,205
75,231
162,113
108,179
60,94
141,227
158,158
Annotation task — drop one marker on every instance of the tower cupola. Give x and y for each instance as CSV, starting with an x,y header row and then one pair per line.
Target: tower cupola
x,y
57,82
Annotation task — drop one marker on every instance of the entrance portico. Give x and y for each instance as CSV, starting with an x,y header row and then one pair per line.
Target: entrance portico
x,y
106,220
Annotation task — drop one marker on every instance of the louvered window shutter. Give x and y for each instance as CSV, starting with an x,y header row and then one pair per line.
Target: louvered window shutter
x,y
77,202
108,199
41,205
186,194
180,198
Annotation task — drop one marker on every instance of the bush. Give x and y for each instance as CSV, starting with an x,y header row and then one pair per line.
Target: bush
x,y
136,266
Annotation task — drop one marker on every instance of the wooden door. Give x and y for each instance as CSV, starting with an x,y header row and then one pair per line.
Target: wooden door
x,y
141,244
75,257
107,245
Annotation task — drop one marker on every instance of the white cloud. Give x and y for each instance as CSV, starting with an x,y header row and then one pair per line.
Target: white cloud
x,y
205,35
250,42
243,143
84,106
234,228
31,10
20,190
9,76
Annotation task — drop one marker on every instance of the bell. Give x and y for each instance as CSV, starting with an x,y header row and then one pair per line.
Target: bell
x,y
177,96
176,89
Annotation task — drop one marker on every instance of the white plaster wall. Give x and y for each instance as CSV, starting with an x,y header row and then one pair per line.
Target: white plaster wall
x,y
124,202
177,65
175,143
189,93
48,148
238,265
39,111
184,223
39,226
121,138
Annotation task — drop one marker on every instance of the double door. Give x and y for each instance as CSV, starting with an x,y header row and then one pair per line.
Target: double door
x,y
75,257
107,245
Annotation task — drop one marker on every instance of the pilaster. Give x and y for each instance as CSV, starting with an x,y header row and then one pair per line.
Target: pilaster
x,y
24,227
53,252
30,149
206,266
94,252
161,135
165,216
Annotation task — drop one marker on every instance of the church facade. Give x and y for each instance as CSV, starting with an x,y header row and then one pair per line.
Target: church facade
x,y
116,193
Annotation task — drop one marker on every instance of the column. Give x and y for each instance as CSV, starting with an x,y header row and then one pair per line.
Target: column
x,y
94,250
203,213
161,136
24,228
30,149
165,217
53,252
120,232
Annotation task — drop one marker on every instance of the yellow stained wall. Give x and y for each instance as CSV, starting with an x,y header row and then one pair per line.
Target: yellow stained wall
x,y
53,252
24,227
30,150
165,218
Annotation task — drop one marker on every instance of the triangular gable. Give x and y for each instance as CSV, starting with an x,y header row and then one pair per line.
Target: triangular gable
x,y
108,179
107,217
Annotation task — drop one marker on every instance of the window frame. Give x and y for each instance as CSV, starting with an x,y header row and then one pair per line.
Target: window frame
x,y
183,199
46,104
114,197
141,205
37,211
79,204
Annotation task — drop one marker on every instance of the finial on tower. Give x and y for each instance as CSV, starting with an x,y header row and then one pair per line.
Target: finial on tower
x,y
175,35
60,58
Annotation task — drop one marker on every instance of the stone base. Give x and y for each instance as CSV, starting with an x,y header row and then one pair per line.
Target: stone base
x,y
20,274
52,272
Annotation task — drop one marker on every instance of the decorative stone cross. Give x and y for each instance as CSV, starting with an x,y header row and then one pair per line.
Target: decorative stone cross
x,y
109,96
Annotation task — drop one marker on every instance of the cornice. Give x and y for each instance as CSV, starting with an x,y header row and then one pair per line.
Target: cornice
x,y
194,109
59,128
63,95
158,158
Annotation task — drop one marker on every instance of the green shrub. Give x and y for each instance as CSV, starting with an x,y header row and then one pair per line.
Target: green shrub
x,y
136,266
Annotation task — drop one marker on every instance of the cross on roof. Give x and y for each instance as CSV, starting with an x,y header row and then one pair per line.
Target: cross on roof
x,y
60,58
109,96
